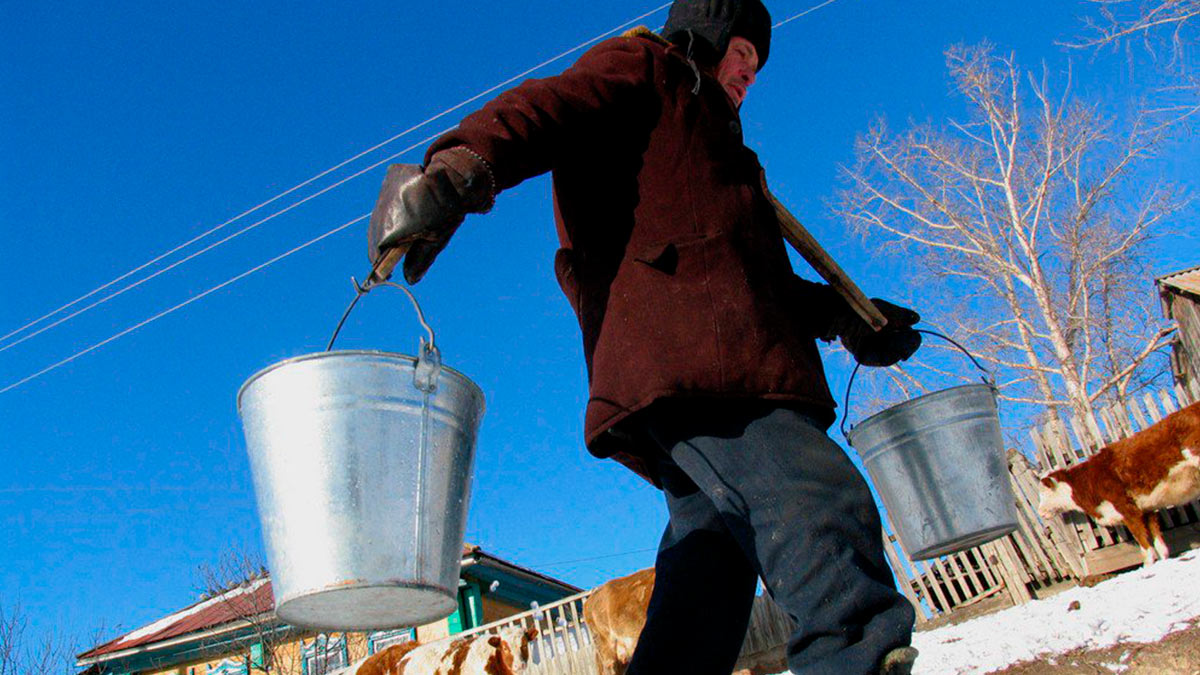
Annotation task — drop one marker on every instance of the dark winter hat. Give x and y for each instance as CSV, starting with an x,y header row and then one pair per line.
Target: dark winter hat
x,y
708,25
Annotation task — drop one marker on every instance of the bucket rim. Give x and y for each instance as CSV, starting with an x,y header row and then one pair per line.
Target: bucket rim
x,y
335,353
912,403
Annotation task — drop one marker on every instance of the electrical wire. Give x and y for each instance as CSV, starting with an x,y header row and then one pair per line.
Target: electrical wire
x,y
807,11
194,298
598,557
309,181
185,303
208,248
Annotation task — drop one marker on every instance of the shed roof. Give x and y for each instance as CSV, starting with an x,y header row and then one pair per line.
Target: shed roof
x,y
1187,280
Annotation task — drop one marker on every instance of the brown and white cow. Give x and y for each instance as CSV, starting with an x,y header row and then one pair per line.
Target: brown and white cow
x,y
615,614
506,653
1129,480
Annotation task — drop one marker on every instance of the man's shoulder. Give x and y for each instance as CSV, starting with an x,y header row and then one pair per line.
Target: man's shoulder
x,y
645,33
639,40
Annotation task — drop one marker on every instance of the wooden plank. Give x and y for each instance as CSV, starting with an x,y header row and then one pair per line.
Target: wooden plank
x,y
1105,437
932,584
1152,407
1121,413
990,578
972,574
1008,555
807,246
948,578
1136,410
1115,431
1167,404
1044,456
905,581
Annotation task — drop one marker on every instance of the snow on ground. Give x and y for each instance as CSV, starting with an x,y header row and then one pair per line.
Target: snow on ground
x,y
1139,606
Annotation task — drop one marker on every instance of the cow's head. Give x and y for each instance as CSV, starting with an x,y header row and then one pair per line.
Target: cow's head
x,y
1055,495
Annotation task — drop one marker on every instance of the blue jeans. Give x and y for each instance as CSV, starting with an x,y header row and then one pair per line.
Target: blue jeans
x,y
754,492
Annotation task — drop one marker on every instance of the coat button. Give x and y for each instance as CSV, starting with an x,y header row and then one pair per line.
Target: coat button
x,y
734,127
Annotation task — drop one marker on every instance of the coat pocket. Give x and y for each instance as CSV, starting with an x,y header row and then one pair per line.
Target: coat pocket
x,y
664,255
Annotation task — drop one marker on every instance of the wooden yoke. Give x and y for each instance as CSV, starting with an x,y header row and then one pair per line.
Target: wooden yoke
x,y
808,248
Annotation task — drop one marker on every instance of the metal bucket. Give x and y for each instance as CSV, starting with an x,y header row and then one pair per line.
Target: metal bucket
x,y
939,465
362,465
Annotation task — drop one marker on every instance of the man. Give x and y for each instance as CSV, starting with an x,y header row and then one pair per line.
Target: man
x,y
703,371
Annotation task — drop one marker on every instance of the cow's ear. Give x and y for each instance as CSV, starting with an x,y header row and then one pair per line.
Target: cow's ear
x,y
495,641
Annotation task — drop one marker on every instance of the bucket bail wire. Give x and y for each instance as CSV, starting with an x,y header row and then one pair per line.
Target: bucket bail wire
x,y
988,378
429,358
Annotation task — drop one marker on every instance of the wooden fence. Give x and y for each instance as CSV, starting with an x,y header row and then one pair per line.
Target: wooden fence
x,y
1013,567
1099,549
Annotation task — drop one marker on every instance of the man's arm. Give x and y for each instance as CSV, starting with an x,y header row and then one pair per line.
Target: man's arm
x,y
519,134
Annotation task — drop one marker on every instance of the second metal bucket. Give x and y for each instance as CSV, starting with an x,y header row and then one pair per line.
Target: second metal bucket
x,y
939,465
362,465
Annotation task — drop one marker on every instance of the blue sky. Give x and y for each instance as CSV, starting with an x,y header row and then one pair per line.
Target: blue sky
x,y
129,128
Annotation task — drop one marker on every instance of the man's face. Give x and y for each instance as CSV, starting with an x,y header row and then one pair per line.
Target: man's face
x,y
736,70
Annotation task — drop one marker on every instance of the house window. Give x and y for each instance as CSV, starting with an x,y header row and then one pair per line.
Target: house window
x,y
228,667
324,655
381,640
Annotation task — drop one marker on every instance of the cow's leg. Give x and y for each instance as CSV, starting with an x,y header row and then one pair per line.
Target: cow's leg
x,y
1156,536
703,589
1136,521
800,509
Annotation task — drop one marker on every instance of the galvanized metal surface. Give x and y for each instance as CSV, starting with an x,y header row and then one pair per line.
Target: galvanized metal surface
x,y
363,482
939,465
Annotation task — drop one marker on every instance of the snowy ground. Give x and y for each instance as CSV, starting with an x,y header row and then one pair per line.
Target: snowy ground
x,y
1136,607
1139,606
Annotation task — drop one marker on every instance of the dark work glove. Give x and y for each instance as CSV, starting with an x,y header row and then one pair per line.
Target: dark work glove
x,y
423,208
896,342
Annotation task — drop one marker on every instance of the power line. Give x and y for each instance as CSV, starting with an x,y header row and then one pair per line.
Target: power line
x,y
807,11
208,248
319,238
185,303
598,557
309,181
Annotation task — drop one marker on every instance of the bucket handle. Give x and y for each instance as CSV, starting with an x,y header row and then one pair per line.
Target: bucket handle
x,y
988,378
429,358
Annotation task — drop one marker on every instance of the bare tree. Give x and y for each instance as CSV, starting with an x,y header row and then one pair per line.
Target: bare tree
x,y
1150,21
1163,28
1035,212
23,653
236,582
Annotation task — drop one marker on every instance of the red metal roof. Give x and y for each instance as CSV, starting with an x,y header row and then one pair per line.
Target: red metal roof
x,y
250,600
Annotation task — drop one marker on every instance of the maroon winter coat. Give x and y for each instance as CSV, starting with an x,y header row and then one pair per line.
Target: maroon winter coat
x,y
671,256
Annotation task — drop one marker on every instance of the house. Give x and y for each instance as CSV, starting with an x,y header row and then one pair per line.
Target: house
x,y
237,633
1180,294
